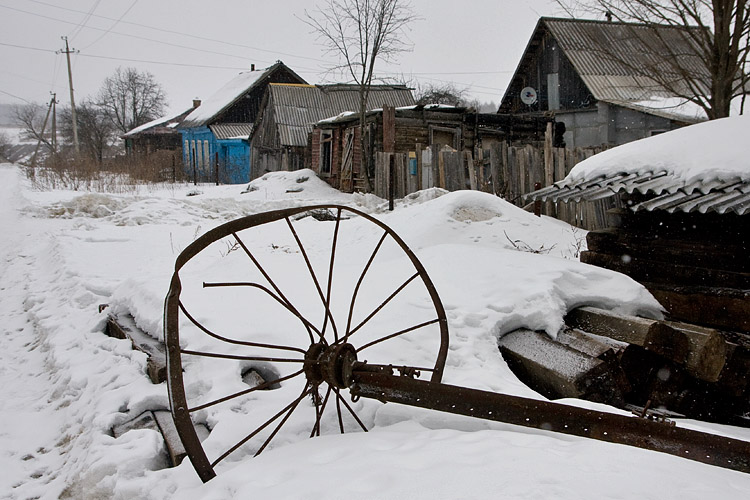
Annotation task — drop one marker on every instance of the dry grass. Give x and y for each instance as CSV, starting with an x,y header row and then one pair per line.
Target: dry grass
x,y
118,175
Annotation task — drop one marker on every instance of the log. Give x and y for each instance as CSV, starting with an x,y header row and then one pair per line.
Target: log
x,y
652,335
558,371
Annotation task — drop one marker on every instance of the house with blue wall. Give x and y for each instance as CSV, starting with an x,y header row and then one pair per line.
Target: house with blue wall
x,y
216,134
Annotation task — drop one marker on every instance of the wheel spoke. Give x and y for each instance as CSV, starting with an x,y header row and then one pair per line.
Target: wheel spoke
x,y
259,387
338,412
330,280
233,341
327,314
383,304
359,283
239,357
319,414
402,332
354,414
268,278
268,422
278,427
309,326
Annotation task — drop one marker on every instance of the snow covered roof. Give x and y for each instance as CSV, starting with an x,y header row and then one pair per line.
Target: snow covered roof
x,y
699,168
169,121
230,93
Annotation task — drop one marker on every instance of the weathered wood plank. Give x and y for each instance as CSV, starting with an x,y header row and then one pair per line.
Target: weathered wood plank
x,y
123,327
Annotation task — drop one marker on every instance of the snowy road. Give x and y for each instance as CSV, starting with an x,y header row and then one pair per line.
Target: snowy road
x,y
29,426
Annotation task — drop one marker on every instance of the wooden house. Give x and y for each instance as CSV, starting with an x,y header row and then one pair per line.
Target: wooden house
x,y
409,132
280,138
593,76
158,135
216,135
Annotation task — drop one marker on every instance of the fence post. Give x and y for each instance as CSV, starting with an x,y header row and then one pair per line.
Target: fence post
x,y
537,202
174,169
195,171
216,163
391,184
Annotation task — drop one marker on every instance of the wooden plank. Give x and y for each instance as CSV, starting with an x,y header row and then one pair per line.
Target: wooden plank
x,y
123,327
472,170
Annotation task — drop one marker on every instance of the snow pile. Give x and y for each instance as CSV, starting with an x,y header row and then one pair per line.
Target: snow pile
x,y
65,385
713,150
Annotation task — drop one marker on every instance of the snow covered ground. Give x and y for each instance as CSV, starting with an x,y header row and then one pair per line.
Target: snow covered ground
x,y
64,384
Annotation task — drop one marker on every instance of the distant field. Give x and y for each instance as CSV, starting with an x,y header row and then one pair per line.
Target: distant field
x,y
14,135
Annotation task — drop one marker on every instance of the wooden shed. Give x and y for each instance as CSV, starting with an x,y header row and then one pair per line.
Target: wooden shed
x,y
287,114
412,133
596,78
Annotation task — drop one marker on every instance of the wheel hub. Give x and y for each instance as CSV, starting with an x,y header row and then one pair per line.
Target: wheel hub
x,y
332,364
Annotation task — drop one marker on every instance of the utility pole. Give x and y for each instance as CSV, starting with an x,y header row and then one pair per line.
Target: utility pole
x,y
54,122
67,52
41,134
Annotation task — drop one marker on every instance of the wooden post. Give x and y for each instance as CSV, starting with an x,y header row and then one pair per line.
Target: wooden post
x,y
537,203
391,184
216,166
195,171
472,171
418,148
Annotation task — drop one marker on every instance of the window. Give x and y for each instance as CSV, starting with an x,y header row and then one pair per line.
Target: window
x,y
186,152
206,154
326,151
193,159
199,154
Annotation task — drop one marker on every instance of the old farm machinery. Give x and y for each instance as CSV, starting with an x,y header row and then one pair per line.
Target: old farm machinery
x,y
261,294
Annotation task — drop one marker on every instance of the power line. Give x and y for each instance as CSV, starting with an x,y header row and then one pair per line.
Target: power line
x,y
15,96
173,32
113,25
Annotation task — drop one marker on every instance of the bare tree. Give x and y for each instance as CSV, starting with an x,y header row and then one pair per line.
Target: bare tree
x,y
360,33
96,133
719,31
441,94
30,117
130,98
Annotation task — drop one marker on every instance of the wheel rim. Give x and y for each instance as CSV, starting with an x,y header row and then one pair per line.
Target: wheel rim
x,y
323,343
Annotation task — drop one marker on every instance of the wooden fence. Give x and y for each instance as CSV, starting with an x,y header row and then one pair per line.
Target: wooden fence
x,y
509,171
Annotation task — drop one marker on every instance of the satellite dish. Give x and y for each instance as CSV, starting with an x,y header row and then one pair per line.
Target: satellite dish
x,y
528,95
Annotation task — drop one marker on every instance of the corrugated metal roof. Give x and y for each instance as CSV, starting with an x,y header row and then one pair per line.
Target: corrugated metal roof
x,y
666,192
298,107
610,57
169,121
232,130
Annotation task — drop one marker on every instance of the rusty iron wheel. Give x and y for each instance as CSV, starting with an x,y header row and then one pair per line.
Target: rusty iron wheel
x,y
323,353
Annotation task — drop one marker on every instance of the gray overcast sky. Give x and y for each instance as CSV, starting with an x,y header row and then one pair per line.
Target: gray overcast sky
x,y
193,47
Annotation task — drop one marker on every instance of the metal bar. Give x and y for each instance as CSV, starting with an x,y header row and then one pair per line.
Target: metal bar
x,y
359,283
402,332
270,281
330,279
354,414
239,357
313,275
260,387
632,431
233,341
319,413
268,422
384,303
305,322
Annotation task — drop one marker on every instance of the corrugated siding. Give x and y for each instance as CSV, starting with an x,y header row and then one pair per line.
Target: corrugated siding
x,y
670,194
231,130
599,51
298,107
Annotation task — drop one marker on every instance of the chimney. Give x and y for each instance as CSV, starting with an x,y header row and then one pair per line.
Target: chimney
x,y
608,15
196,103
252,67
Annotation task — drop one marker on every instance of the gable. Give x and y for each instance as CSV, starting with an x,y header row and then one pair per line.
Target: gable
x,y
239,100
600,61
